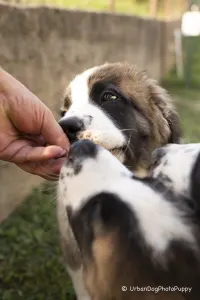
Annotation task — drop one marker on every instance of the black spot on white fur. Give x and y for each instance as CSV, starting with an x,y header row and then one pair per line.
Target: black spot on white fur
x,y
193,190
61,176
78,153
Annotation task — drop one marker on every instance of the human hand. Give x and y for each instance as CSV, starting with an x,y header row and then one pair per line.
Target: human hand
x,y
26,127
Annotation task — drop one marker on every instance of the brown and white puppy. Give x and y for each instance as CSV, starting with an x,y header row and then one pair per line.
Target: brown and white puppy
x,y
139,239
120,108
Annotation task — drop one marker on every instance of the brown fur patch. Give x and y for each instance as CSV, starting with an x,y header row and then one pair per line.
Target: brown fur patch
x,y
109,270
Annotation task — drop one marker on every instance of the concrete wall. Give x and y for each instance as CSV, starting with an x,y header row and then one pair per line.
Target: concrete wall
x,y
45,48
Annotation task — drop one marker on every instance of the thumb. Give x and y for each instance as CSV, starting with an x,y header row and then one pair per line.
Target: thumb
x,y
22,151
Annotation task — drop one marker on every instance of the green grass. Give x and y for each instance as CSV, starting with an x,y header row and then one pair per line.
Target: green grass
x,y
31,266
188,106
140,8
122,6
188,98
192,43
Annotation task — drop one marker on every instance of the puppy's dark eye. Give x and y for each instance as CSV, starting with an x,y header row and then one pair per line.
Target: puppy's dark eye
x,y
108,96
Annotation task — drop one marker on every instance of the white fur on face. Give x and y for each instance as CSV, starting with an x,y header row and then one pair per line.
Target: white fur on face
x,y
99,127
176,165
79,88
159,220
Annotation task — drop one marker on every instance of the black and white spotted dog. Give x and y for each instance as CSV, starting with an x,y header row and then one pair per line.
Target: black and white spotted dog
x,y
120,108
135,233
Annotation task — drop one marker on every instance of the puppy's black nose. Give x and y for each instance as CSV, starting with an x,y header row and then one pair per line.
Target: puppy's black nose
x,y
71,126
82,149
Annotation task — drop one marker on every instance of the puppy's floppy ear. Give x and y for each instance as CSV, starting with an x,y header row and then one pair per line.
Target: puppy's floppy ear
x,y
164,103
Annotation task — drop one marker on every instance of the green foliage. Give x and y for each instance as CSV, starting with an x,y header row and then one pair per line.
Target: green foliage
x,y
135,7
122,6
31,266
188,98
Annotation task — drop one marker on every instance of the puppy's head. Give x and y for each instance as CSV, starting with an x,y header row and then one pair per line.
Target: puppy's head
x,y
120,108
178,167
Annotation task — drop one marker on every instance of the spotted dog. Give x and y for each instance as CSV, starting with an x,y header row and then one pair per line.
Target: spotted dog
x,y
123,110
131,232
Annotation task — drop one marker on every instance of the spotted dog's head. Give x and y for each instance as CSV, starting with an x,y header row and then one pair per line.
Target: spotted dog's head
x,y
178,167
130,231
120,108
88,169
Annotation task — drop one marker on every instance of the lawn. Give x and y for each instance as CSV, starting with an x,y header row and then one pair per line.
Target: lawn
x,y
122,6
187,99
136,7
31,265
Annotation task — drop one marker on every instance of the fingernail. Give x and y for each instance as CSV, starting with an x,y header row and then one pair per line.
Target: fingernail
x,y
61,154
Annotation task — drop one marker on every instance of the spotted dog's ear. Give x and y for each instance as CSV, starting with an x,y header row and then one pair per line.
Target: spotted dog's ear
x,y
164,102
